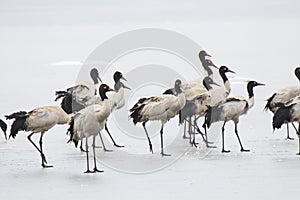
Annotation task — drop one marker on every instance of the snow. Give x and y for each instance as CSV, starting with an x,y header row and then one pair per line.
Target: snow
x,y
255,42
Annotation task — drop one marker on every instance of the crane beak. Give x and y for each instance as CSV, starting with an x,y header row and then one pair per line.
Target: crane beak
x,y
213,65
123,78
214,83
126,87
231,71
110,89
208,55
260,84
99,78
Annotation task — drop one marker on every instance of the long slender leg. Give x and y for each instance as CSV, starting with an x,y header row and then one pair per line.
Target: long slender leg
x,y
94,152
81,144
237,135
298,133
184,131
205,132
115,144
149,141
190,129
223,129
87,156
104,148
288,132
200,132
42,154
162,141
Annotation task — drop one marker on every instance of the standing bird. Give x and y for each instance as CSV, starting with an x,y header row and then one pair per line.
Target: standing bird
x,y
74,98
216,96
90,121
282,96
161,108
231,110
3,126
39,120
288,113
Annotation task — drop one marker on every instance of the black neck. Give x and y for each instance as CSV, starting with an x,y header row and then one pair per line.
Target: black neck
x,y
118,86
102,95
297,73
223,75
206,85
250,91
205,66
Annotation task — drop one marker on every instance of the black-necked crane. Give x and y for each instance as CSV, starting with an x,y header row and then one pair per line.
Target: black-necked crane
x,y
216,96
3,126
117,98
77,101
90,121
288,113
231,110
196,104
282,96
39,120
161,108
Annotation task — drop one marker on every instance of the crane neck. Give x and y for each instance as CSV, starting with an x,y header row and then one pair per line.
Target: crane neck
x,y
206,67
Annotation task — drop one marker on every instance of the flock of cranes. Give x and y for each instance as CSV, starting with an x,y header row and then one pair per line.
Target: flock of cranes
x,y
86,109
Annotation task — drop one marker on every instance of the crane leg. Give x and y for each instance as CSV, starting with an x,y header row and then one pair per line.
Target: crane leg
x,y
200,132
115,144
94,152
39,150
104,148
149,141
223,149
237,135
288,132
81,146
184,131
162,141
298,133
87,156
205,132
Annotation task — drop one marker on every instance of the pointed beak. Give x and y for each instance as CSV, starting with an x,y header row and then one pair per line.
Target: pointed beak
x,y
110,89
208,55
126,87
99,78
213,65
123,78
231,71
214,83
260,84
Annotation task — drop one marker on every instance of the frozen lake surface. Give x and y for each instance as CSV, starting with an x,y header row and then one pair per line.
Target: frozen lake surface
x,y
42,46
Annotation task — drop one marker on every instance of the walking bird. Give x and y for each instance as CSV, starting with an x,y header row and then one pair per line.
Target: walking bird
x,y
161,108
39,120
282,96
89,122
231,110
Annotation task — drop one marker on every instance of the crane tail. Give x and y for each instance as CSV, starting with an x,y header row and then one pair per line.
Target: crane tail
x,y
269,100
19,123
281,116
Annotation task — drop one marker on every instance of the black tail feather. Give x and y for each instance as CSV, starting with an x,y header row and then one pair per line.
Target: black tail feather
x,y
281,116
19,123
170,91
269,100
71,130
213,114
60,94
136,113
